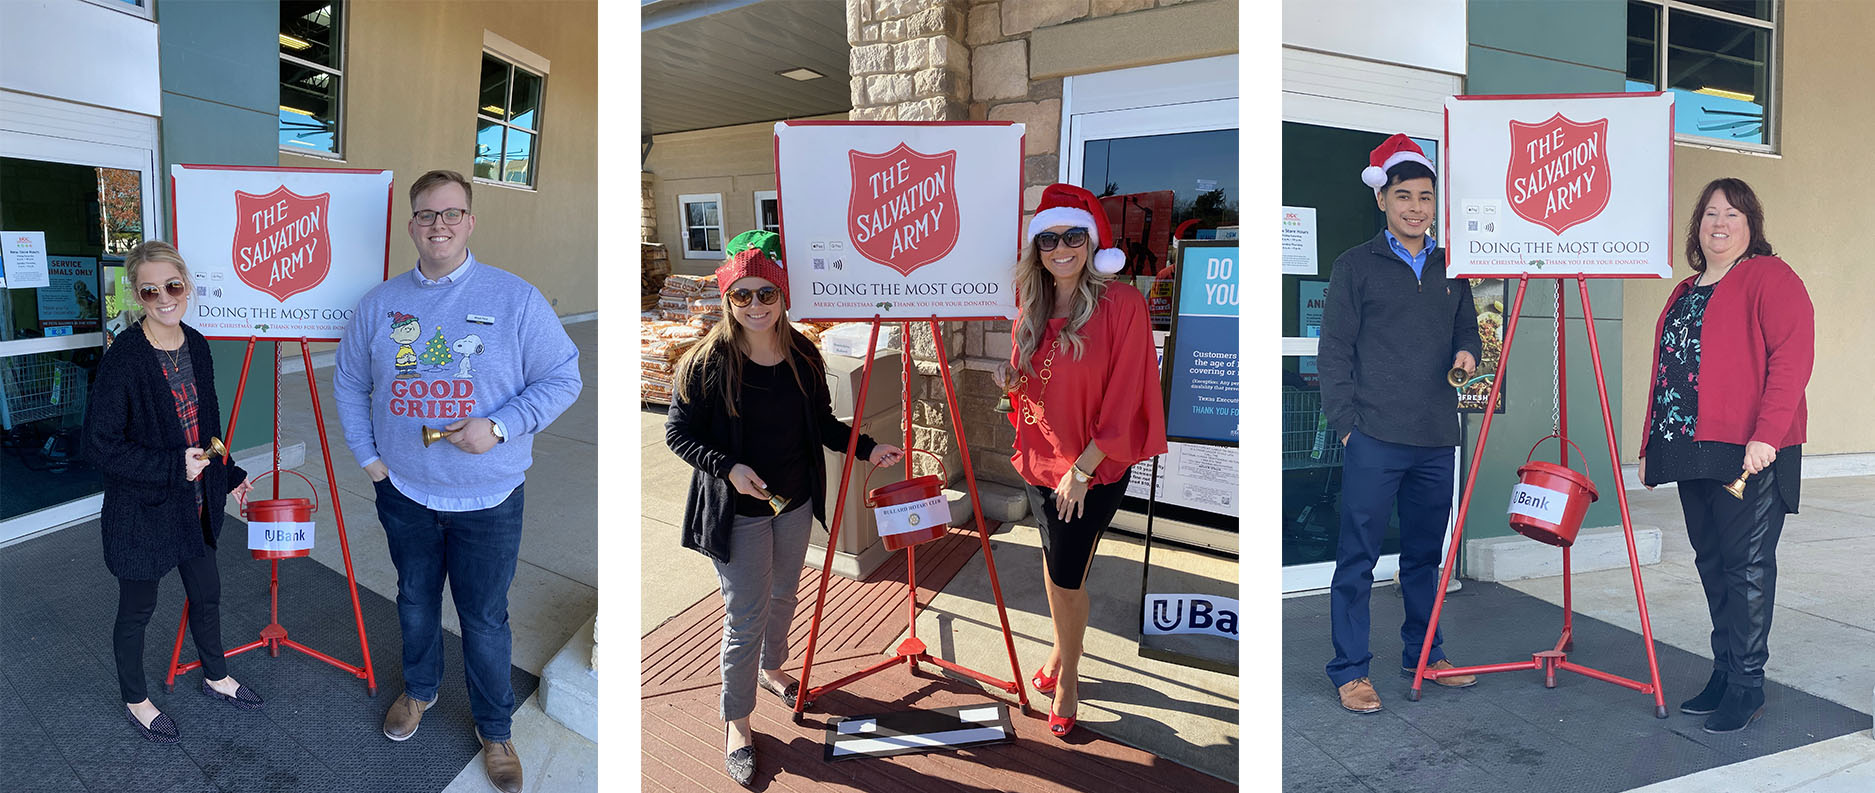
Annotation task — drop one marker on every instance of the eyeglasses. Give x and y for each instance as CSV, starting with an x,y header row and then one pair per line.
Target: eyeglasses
x,y
1047,240
767,294
174,286
427,217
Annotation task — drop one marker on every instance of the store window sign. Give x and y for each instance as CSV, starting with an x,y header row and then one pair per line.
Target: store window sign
x,y
69,301
1299,248
1202,397
23,259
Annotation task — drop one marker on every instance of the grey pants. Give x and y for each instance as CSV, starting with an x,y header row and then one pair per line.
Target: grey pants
x,y
759,594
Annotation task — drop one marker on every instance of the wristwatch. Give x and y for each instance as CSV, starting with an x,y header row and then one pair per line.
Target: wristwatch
x,y
1081,476
501,436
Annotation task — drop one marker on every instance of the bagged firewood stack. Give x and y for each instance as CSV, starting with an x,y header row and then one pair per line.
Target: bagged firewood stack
x,y
684,308
655,268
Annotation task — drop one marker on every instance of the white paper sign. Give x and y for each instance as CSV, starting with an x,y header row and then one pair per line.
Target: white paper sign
x,y
280,536
1559,186
280,253
1192,475
900,221
1203,614
1299,253
23,260
913,516
1540,503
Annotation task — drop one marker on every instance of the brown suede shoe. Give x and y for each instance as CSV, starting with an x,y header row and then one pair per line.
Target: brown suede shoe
x,y
1460,681
502,765
400,722
1358,695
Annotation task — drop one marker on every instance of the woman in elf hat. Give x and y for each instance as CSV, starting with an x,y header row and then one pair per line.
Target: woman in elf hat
x,y
1085,379
750,411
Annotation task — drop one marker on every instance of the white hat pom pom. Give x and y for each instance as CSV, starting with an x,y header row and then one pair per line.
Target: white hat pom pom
x,y
1373,177
1108,261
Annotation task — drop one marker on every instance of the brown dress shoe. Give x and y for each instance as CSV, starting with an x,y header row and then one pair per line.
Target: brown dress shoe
x,y
501,763
1459,681
1358,695
400,722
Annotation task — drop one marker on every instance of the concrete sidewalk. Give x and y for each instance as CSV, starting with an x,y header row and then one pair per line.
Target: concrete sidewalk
x,y
555,589
1823,628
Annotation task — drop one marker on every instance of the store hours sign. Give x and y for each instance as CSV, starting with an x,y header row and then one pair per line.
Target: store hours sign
x,y
899,221
1560,185
280,253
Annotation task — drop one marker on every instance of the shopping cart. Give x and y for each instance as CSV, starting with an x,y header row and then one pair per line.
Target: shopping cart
x,y
39,386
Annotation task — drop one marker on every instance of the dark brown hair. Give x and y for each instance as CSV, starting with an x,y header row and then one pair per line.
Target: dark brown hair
x,y
438,178
1739,195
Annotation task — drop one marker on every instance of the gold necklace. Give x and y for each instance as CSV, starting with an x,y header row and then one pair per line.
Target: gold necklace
x,y
1033,404
174,356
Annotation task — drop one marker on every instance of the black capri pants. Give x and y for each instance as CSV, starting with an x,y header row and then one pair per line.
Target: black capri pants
x,y
1068,546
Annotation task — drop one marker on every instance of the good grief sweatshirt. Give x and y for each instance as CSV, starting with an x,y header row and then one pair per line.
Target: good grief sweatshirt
x,y
480,343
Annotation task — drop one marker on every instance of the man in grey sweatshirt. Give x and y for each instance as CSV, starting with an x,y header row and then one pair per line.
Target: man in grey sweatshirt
x,y
1393,326
475,351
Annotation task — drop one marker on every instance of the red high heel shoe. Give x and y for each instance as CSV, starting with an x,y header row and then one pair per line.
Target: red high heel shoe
x,y
1061,725
1044,684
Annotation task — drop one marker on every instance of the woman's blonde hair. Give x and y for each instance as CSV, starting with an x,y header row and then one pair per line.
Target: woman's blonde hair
x,y
1035,300
728,342
155,251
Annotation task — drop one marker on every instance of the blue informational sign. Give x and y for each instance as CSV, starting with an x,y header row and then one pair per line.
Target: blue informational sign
x,y
1201,355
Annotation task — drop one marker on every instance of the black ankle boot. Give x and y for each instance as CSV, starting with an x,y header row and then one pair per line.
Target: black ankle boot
x,y
1708,700
1737,709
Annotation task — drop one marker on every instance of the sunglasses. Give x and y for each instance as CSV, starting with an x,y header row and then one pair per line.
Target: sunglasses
x,y
174,286
427,217
767,294
1047,240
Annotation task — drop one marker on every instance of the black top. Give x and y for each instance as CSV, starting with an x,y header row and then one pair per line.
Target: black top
x,y
1673,412
710,440
774,441
1388,339
150,521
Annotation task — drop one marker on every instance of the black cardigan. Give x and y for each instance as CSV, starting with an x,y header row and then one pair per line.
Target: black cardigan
x,y
710,440
134,439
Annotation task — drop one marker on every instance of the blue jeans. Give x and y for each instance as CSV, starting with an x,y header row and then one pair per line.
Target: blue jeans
x,y
476,552
1375,474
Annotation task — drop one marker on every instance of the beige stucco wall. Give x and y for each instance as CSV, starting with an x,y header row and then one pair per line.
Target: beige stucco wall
x,y
735,161
411,81
1816,217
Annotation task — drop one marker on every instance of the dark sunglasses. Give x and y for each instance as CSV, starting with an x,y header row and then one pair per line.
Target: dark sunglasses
x,y
767,294
1047,240
174,286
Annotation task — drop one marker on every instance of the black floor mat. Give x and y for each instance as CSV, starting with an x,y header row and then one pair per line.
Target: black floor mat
x,y
1509,732
63,729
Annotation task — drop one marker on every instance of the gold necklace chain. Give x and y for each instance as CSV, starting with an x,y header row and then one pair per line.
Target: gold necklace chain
x,y
1032,405
174,356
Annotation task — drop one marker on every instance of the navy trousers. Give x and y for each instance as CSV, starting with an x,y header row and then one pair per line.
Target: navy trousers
x,y
1374,475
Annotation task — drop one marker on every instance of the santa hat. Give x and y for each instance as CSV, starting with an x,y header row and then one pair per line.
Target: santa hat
x,y
753,254
399,318
1393,151
1068,205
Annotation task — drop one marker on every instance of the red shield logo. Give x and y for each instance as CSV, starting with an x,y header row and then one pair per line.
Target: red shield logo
x,y
281,241
902,211
1558,174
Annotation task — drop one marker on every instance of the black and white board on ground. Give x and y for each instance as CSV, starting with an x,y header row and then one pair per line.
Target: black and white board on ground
x,y
907,732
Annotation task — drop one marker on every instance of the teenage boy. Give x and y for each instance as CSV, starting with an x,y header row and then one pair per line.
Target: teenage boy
x,y
1394,325
452,511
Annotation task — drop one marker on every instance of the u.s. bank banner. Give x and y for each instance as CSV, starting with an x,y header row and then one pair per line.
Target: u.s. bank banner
x,y
900,220
1560,185
280,253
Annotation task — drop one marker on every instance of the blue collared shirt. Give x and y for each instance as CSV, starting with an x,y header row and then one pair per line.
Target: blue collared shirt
x,y
1418,263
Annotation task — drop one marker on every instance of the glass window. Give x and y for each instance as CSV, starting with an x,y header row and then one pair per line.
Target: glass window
x,y
311,73
507,123
703,225
767,211
1717,63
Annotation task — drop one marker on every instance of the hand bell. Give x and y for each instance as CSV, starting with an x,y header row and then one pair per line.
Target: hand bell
x,y
1737,487
778,504
214,449
432,435
1004,405
1457,377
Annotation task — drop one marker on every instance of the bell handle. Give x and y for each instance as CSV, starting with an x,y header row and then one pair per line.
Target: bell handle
x,y
309,485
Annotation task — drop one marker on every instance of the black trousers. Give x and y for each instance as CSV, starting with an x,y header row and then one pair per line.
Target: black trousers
x,y
136,601
1735,549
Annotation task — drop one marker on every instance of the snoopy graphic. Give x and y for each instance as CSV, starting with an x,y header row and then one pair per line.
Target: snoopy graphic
x,y
465,347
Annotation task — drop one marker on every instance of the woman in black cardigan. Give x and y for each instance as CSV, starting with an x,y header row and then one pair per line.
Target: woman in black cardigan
x,y
152,410
750,412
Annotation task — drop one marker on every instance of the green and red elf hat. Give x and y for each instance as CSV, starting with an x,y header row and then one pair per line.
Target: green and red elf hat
x,y
754,254
399,318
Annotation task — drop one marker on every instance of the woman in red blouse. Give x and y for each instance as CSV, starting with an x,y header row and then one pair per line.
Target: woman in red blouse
x,y
1085,382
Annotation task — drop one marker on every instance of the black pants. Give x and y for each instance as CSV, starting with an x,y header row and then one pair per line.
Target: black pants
x,y
1068,545
1735,550
136,601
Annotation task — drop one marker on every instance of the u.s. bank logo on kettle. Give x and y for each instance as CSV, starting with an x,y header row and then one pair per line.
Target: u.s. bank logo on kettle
x,y
1202,614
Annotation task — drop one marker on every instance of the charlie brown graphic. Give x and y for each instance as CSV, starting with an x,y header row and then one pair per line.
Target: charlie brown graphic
x,y
405,329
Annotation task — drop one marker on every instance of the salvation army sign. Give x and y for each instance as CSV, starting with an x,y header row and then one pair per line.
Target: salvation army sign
x,y
899,220
1560,185
280,253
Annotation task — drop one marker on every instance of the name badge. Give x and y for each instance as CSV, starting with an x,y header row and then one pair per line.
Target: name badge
x,y
481,320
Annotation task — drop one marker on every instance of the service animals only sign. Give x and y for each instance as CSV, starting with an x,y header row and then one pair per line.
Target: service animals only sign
x,y
280,253
1559,185
900,220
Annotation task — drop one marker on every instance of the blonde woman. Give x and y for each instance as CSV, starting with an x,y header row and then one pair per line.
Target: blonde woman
x,y
152,411
1088,406
750,410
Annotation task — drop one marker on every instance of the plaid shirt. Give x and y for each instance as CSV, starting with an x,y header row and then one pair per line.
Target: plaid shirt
x,y
180,372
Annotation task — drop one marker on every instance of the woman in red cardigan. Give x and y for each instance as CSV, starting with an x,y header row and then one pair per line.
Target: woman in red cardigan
x,y
1736,343
1087,406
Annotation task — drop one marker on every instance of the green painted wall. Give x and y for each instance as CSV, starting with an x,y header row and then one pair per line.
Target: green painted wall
x,y
1521,47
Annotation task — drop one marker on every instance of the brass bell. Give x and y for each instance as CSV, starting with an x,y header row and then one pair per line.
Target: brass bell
x,y
778,504
1004,405
432,435
214,449
1456,377
1737,487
